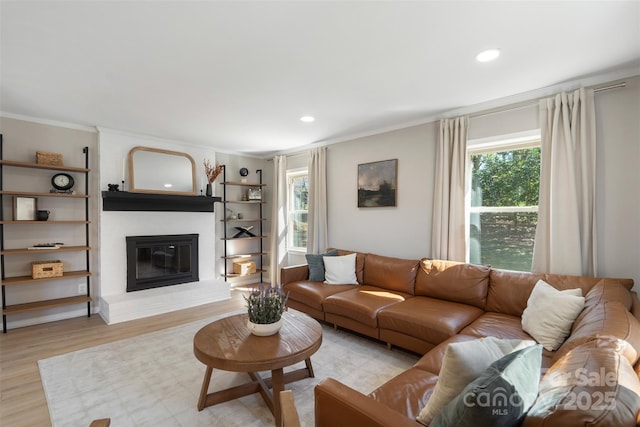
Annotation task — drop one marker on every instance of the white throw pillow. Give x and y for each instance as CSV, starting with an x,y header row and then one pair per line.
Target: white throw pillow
x,y
462,363
550,313
340,270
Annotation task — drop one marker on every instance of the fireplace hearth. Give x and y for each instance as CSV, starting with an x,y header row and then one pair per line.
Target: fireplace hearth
x,y
163,260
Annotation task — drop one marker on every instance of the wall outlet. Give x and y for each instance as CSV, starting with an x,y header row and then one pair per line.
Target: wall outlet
x,y
82,288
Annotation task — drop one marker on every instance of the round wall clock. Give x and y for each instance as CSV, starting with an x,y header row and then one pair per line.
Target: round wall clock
x,y
244,171
62,181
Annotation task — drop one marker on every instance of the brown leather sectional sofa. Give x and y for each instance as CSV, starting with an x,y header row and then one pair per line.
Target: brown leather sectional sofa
x,y
423,305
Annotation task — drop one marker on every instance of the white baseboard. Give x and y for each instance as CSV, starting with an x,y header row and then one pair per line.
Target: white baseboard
x,y
31,321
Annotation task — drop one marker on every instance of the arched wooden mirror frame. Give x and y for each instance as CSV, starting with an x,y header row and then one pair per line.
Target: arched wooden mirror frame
x,y
166,168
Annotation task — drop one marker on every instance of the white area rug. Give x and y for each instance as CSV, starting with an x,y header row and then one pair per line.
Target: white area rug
x,y
155,380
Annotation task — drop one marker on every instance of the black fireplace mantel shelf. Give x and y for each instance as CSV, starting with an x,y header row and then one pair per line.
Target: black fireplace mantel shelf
x,y
126,201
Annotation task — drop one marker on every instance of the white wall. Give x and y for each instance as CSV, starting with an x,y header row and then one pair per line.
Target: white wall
x,y
114,147
405,231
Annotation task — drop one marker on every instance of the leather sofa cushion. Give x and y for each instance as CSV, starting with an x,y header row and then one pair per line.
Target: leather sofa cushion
x,y
432,361
408,392
610,324
394,274
429,319
360,260
504,326
362,303
497,325
453,281
313,293
510,290
609,290
568,396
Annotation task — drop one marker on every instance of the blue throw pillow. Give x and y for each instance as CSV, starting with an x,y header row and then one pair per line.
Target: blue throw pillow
x,y
500,396
316,265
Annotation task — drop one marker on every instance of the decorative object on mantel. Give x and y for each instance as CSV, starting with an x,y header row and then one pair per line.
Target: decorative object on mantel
x,y
265,306
211,173
113,187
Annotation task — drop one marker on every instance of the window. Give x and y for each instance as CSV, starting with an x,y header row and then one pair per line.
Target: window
x,y
503,205
298,205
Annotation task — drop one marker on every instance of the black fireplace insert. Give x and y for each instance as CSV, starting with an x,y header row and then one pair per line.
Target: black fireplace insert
x,y
156,261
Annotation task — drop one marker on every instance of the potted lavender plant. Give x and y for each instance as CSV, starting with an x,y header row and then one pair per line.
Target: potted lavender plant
x,y
265,306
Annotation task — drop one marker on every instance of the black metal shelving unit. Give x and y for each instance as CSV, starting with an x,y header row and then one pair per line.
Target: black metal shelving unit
x,y
4,252
259,255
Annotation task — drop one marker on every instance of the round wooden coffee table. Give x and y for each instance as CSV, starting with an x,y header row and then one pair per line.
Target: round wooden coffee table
x,y
227,344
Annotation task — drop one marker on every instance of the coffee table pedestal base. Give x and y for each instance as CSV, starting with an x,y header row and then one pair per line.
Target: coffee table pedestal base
x,y
269,388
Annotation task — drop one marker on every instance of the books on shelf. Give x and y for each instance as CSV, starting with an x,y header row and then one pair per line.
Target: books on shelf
x,y
46,246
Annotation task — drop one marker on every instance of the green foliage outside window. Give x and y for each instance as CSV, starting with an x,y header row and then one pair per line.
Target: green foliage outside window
x,y
507,178
298,210
504,179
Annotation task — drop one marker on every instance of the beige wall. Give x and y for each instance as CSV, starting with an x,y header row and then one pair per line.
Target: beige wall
x,y
405,231
21,139
401,231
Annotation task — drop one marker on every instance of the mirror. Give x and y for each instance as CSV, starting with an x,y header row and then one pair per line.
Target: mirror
x,y
153,170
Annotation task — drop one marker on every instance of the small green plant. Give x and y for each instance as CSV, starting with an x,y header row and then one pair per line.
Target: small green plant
x,y
266,304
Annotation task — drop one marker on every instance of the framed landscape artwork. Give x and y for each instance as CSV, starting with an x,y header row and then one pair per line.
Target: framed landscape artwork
x,y
377,184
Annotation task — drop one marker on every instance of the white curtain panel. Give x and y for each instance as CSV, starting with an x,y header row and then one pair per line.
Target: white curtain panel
x,y
317,216
566,231
279,219
449,216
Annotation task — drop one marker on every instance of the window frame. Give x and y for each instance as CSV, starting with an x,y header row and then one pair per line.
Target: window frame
x,y
500,143
291,175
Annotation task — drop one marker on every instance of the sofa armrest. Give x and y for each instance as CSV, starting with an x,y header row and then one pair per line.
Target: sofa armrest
x,y
339,405
294,273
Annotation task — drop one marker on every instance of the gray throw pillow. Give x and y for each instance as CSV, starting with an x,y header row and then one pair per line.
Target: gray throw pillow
x,y
500,396
316,265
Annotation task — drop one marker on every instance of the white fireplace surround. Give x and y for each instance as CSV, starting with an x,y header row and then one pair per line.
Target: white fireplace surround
x,y
116,305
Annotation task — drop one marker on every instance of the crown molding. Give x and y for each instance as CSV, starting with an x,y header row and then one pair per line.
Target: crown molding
x,y
49,122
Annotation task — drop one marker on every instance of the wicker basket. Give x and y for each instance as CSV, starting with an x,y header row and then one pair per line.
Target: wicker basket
x,y
46,158
244,268
46,269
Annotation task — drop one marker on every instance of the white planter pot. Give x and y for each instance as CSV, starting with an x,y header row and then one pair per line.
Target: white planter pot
x,y
264,330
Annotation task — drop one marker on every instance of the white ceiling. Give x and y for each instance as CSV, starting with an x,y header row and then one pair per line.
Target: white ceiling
x,y
237,76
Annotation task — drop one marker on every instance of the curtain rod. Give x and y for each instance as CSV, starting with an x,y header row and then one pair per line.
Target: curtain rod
x,y
530,103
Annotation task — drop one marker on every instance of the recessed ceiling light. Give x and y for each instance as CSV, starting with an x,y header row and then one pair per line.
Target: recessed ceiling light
x,y
168,185
307,119
488,55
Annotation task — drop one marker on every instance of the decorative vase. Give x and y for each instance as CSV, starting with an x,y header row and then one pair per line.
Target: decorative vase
x,y
264,330
209,190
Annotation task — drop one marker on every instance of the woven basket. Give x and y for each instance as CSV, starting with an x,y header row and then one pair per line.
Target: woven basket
x,y
46,269
46,158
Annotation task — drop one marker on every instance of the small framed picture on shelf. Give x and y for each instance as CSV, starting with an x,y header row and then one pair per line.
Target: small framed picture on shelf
x,y
254,194
24,208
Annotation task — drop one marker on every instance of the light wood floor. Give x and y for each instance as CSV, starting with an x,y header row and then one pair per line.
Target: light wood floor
x,y
22,401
